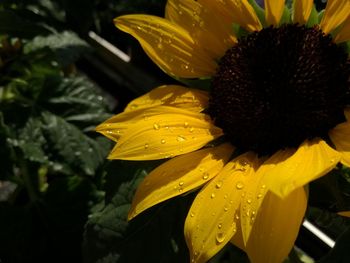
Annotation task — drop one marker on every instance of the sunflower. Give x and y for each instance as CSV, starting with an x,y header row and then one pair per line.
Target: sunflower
x,y
273,119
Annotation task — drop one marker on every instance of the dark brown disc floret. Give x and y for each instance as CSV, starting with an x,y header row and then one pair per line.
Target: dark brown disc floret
x,y
277,87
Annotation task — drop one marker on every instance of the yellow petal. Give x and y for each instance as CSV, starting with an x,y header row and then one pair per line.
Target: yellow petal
x,y
274,11
344,213
159,132
335,14
344,33
210,223
276,227
347,113
238,12
179,175
168,45
312,160
207,28
302,10
172,95
340,136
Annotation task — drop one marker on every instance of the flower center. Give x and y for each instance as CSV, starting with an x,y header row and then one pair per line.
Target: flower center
x,y
277,87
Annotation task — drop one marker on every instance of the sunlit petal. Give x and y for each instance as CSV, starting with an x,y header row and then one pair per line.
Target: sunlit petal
x,y
344,33
335,14
276,227
340,136
168,45
302,10
211,221
158,132
344,213
274,11
179,175
312,160
210,32
172,95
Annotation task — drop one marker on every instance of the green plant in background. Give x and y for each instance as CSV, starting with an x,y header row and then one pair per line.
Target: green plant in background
x,y
51,159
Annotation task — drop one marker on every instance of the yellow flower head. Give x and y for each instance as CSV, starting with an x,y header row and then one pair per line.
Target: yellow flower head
x,y
279,88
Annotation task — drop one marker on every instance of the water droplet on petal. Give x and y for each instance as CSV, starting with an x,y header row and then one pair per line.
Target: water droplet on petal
x,y
239,185
218,185
180,138
191,129
219,225
263,186
212,195
249,201
205,176
181,183
191,214
146,145
225,208
220,237
186,124
162,141
237,216
259,196
156,126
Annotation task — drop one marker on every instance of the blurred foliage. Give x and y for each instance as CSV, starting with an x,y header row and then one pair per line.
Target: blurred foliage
x,y
51,159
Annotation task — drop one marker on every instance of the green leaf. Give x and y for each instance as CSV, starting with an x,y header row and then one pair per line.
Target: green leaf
x,y
286,16
77,99
154,236
70,146
16,26
260,12
313,19
32,141
67,46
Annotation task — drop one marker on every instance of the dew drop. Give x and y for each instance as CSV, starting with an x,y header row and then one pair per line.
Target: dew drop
x,y
180,138
146,145
191,129
263,186
205,176
220,237
225,196
225,208
239,185
220,226
181,183
186,124
237,216
184,66
156,126
259,196
249,201
162,141
191,214
212,195
218,185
